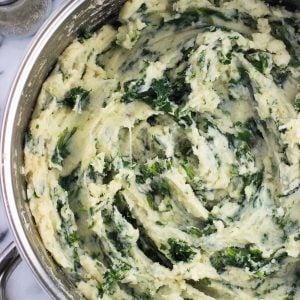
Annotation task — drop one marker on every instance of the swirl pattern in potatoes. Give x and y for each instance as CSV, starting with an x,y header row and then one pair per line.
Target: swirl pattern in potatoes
x,y
162,158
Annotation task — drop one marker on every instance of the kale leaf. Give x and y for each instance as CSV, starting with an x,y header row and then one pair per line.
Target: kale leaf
x,y
162,89
84,35
61,150
151,170
288,30
69,181
279,75
112,277
297,105
180,250
161,95
238,257
261,60
77,98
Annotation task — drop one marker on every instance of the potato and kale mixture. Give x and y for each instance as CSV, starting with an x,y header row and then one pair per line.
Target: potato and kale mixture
x,y
163,155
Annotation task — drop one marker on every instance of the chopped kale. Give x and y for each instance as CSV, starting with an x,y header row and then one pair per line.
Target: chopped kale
x,y
256,179
248,132
286,224
204,17
92,173
224,58
69,181
238,257
151,201
195,231
122,245
261,60
202,122
251,125
142,8
107,217
159,190
162,94
243,79
76,260
279,75
72,238
160,186
205,229
297,105
63,74
112,277
209,229
77,98
186,52
149,171
288,30
114,229
61,150
132,90
180,250
179,89
244,135
241,148
183,117
109,172
189,171
162,90
84,35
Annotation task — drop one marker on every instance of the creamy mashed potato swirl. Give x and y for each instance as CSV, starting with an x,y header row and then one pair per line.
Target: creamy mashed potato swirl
x,y
162,158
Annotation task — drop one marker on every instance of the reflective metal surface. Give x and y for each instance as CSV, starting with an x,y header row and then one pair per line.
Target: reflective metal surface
x,y
9,259
5,2
49,43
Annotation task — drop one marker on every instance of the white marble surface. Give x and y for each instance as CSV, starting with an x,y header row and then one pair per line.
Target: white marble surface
x,y
22,284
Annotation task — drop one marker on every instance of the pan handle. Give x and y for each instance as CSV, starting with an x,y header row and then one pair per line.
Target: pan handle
x,y
9,259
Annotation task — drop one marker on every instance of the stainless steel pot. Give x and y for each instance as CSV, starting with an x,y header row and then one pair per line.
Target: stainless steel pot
x,y
50,41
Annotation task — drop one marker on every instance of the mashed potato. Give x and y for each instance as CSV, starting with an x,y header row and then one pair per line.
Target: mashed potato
x,y
162,158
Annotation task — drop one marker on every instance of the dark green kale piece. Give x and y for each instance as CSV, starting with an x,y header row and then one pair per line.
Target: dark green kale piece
x,y
69,181
61,150
261,60
112,276
77,97
180,250
162,94
279,75
238,257
288,30
84,35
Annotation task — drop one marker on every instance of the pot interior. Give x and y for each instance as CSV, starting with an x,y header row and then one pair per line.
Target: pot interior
x,y
54,37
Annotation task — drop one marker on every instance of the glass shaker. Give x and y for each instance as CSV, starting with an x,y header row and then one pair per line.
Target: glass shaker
x,y
22,17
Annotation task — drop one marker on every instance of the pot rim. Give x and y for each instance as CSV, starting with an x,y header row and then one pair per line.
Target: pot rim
x,y
51,25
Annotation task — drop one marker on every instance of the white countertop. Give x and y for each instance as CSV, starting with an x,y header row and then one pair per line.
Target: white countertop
x,y
22,284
